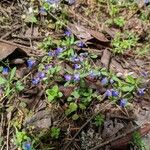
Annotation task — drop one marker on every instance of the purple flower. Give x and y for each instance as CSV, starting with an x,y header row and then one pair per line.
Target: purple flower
x,y
104,81
114,93
70,2
76,77
35,81
27,146
67,33
5,70
80,44
146,2
68,77
52,1
47,67
42,11
51,54
144,74
75,59
108,93
30,63
112,81
58,50
123,102
41,75
141,91
77,66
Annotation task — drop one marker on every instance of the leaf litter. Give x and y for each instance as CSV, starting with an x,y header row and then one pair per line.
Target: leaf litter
x,y
64,85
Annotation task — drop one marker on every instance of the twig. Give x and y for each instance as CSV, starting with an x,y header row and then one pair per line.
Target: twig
x,y
123,136
8,129
84,125
13,30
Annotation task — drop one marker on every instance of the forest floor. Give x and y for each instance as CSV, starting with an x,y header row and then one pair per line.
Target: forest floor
x,y
74,74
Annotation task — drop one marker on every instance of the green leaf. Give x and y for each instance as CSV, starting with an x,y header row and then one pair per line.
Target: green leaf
x,y
75,117
55,88
127,88
19,86
2,80
60,94
72,108
75,94
130,79
50,98
12,73
82,106
30,19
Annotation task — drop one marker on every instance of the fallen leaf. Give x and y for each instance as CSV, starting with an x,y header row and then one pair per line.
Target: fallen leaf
x,y
105,59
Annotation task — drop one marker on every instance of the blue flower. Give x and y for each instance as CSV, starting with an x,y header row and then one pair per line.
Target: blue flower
x,y
5,70
123,102
47,67
42,11
70,2
77,66
27,146
108,93
52,1
104,81
67,33
146,2
59,50
68,77
41,75
114,93
112,81
76,77
74,58
51,54
35,81
30,63
80,44
141,91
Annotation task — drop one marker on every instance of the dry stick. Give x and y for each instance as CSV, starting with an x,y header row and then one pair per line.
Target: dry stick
x,y
84,125
114,139
8,131
7,34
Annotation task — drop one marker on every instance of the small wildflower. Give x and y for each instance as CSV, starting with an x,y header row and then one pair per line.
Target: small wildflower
x,y
68,33
51,54
47,67
104,81
74,59
108,93
76,77
30,63
70,2
42,11
77,66
41,75
141,91
52,1
146,2
27,146
68,77
114,93
5,70
58,50
80,44
123,102
35,81
144,74
112,81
